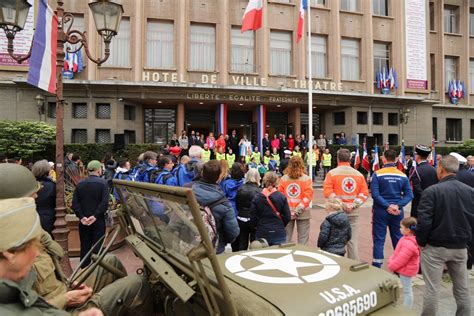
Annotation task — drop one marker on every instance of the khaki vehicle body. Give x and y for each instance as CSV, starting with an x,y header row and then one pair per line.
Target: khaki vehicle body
x,y
165,228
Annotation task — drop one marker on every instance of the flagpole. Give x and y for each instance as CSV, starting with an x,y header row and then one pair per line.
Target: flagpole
x,y
310,97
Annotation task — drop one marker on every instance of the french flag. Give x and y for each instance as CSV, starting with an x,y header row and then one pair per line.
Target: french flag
x,y
365,158
303,8
402,162
222,119
42,69
376,164
262,121
357,159
252,19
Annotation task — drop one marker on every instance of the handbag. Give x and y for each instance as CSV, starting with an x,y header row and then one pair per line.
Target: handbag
x,y
274,209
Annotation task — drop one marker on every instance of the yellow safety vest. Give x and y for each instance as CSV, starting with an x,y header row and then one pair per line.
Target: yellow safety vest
x,y
327,160
220,156
314,157
247,158
276,157
206,155
256,156
266,160
230,159
296,153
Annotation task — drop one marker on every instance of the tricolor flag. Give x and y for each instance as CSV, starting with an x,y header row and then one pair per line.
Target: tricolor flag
x,y
252,19
303,8
261,125
222,119
432,158
376,164
42,68
357,159
365,158
402,162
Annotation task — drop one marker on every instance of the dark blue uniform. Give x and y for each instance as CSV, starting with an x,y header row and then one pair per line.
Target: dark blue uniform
x,y
421,177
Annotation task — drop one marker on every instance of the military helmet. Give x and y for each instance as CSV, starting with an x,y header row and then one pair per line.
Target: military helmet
x,y
16,181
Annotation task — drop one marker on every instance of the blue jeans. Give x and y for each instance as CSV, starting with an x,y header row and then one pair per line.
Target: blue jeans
x,y
381,219
274,240
407,291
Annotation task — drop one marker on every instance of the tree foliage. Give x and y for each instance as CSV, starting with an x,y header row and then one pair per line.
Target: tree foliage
x,y
25,138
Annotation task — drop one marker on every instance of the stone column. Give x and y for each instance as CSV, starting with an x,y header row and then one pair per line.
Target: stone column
x,y
182,37
138,38
179,118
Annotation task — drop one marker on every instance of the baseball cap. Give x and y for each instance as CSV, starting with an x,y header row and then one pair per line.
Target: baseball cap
x,y
94,165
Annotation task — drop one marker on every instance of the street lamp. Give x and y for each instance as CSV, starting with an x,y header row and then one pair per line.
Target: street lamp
x,y
404,114
40,104
107,16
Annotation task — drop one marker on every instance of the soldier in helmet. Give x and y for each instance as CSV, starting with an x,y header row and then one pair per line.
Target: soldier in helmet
x,y
421,176
130,295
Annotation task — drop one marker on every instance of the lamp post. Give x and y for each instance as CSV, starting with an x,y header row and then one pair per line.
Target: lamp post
x,y
107,16
403,116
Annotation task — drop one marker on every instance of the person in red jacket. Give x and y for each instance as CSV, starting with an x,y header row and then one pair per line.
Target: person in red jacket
x,y
406,259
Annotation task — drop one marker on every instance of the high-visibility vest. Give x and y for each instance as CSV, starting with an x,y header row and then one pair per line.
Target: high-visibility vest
x,y
206,155
296,153
220,156
314,157
230,159
276,157
256,156
327,160
266,160
247,158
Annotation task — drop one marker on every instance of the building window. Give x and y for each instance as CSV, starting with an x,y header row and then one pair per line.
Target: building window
x,y
202,51
160,125
393,139
79,110
350,5
129,112
160,44
392,119
435,127
280,53
378,138
453,129
377,118
432,16
319,56
362,118
381,57
318,2
102,136
79,136
243,47
471,22
102,111
129,137
433,72
339,118
350,59
451,18
51,109
120,47
471,75
380,7
450,69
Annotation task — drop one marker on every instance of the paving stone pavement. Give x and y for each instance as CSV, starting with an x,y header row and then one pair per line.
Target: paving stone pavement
x,y
447,304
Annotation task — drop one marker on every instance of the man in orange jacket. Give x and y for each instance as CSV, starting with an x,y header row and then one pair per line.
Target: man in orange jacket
x,y
347,187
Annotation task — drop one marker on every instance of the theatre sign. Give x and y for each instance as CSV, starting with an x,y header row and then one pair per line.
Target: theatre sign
x,y
239,80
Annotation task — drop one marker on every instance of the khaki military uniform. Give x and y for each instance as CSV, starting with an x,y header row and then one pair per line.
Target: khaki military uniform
x,y
21,299
113,296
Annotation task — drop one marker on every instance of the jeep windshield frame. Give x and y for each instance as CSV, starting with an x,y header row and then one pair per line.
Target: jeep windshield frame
x,y
168,220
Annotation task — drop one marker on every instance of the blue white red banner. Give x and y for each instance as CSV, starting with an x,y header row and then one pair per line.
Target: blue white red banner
x,y
221,119
303,8
261,125
42,70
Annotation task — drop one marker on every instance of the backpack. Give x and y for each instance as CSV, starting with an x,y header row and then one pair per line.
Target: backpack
x,y
209,220
155,174
272,165
143,174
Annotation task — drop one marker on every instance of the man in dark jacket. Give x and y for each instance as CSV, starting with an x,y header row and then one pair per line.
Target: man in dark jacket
x,y
208,193
445,217
90,202
266,143
234,143
421,176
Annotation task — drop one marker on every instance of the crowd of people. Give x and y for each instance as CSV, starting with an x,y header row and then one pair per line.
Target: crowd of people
x,y
262,199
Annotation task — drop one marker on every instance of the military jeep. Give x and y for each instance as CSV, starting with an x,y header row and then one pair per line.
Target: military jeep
x,y
165,229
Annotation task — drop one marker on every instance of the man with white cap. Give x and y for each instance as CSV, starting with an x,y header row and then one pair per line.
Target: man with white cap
x,y
285,160
19,247
421,176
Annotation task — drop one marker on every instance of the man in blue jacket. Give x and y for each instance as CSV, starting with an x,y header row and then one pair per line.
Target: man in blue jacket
x,y
163,174
208,193
185,173
391,192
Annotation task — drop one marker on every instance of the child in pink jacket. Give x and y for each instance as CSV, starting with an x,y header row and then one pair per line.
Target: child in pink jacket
x,y
406,258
